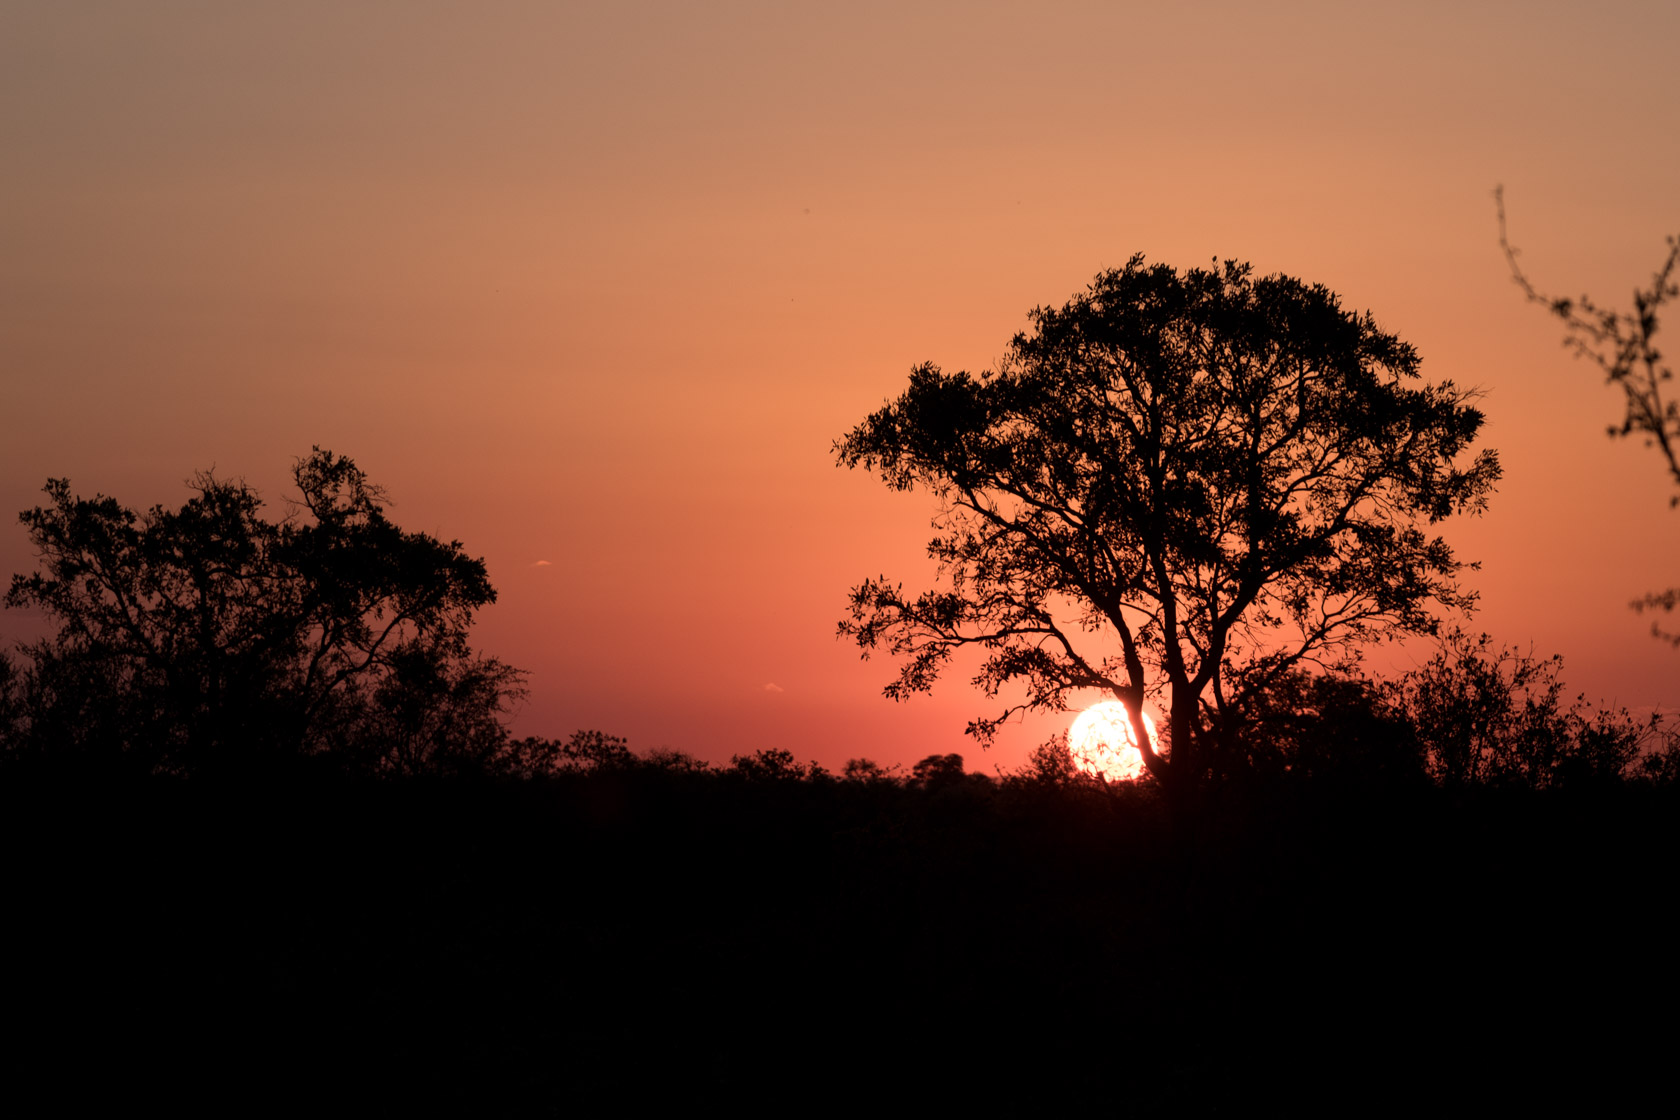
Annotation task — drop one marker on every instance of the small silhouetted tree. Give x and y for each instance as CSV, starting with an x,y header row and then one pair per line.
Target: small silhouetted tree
x,y
1177,485
1336,728
1051,764
437,709
937,771
775,764
868,772
1660,764
209,635
1623,345
1490,715
596,750
668,760
584,752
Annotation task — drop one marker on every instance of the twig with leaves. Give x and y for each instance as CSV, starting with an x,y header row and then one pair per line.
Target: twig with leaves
x,y
1623,345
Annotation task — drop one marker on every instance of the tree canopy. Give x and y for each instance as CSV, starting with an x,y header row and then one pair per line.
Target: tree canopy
x,y
200,636
1177,487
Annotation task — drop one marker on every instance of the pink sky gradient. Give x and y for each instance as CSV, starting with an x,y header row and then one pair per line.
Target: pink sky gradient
x,y
600,287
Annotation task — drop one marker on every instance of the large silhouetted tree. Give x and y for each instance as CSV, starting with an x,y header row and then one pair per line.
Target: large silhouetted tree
x,y
194,637
1177,486
1623,344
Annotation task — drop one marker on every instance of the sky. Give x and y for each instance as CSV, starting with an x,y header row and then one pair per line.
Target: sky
x,y
593,289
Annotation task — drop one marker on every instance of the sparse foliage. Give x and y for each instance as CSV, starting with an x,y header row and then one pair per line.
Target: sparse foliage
x,y
1177,486
1659,764
1623,345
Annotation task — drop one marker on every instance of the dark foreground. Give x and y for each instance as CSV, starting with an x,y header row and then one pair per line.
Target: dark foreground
x,y
601,943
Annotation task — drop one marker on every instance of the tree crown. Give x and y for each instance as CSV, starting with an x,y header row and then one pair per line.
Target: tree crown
x,y
186,633
1225,474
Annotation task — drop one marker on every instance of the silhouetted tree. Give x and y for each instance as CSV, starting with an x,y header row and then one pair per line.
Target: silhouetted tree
x,y
937,771
868,772
584,752
775,764
1487,715
209,635
672,761
1051,764
437,709
1340,728
1222,474
596,750
1660,765
1623,345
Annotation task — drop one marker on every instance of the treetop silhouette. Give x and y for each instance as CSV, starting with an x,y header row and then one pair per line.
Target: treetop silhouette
x,y
188,637
1177,486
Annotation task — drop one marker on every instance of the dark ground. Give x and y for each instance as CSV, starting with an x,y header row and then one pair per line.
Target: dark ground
x,y
596,945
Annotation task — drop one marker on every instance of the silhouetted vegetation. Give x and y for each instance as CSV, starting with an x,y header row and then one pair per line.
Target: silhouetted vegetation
x,y
1623,345
1485,715
210,638
1178,485
1393,891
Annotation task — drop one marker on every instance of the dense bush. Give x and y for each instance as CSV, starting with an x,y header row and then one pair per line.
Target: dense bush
x,y
1487,715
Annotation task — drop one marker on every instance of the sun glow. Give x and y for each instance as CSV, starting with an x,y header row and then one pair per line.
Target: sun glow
x,y
1102,743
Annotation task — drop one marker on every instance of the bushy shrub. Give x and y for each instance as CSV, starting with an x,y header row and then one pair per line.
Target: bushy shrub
x,y
1490,715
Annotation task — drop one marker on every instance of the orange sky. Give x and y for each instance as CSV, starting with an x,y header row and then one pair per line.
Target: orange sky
x,y
600,285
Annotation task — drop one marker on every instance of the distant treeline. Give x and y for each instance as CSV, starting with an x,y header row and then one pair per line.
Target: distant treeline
x,y
1475,715
210,639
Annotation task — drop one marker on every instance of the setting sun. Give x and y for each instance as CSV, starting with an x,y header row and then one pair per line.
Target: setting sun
x,y
1102,743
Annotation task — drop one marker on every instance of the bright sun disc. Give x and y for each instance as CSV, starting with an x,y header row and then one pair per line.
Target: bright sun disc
x,y
1102,743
